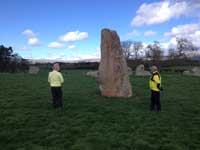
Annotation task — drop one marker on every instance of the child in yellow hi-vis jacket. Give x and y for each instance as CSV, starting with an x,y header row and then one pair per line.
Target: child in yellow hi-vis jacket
x,y
56,80
155,87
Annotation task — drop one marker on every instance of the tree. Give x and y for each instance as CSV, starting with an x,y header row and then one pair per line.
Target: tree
x,y
5,54
138,46
9,61
172,54
131,49
184,46
154,52
126,48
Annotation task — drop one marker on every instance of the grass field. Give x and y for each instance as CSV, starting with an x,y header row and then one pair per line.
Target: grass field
x,y
91,122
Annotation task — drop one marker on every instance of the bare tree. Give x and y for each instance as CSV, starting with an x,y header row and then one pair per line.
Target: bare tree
x,y
184,46
172,54
131,49
138,46
154,52
126,47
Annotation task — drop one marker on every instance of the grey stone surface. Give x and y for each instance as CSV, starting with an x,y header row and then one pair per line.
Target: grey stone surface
x,y
33,70
92,74
193,72
113,77
140,71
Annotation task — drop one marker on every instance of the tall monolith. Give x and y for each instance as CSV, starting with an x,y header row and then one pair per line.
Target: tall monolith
x,y
113,75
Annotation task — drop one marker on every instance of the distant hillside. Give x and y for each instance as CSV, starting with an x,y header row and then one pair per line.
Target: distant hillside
x,y
197,58
34,61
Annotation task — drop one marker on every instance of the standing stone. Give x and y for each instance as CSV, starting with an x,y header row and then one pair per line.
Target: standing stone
x,y
92,74
187,72
140,71
193,72
113,76
33,70
196,71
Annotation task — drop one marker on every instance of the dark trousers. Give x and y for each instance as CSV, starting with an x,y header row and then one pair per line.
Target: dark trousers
x,y
155,101
57,96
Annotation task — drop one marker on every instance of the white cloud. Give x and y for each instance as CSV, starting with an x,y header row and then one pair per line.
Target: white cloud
x,y
58,56
94,56
172,43
134,33
189,31
183,30
149,33
34,41
56,45
195,4
159,12
29,33
71,46
32,38
24,48
73,36
75,57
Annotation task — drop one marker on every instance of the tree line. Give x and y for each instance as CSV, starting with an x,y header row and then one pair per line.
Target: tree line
x,y
154,52
10,61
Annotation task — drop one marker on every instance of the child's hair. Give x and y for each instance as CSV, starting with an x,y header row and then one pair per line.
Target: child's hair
x,y
54,65
154,68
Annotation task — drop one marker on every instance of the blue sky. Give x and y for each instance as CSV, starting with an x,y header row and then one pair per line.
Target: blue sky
x,y
70,29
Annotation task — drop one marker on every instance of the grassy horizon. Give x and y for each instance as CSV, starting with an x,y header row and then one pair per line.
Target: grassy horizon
x,y
89,121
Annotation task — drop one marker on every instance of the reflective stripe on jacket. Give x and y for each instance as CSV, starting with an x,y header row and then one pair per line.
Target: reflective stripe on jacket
x,y
154,81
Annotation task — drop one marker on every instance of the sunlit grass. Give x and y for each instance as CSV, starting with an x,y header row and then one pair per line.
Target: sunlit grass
x,y
91,122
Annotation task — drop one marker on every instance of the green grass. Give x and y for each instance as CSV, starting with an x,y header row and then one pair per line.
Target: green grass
x,y
91,122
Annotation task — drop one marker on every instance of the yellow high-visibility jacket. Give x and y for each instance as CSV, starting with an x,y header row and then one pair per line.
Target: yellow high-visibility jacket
x,y
55,79
154,81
